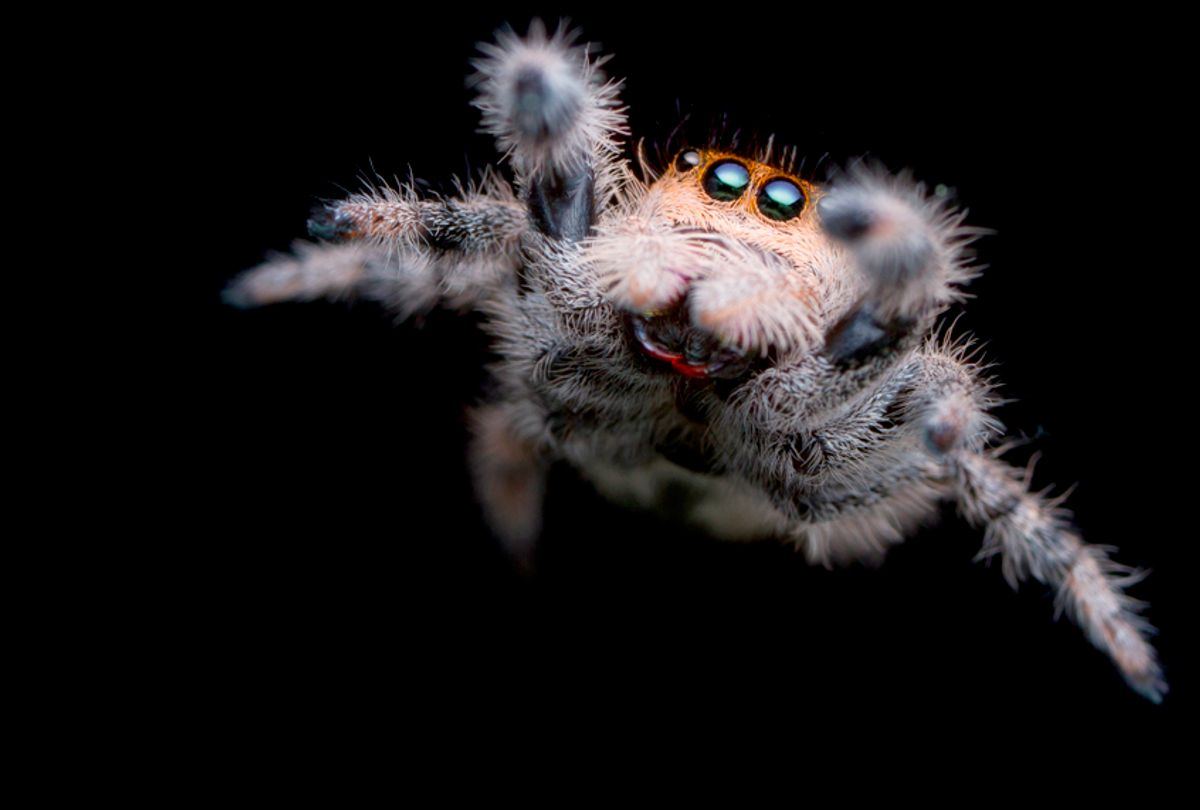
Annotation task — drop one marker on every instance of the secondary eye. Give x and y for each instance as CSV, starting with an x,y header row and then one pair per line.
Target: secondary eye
x,y
687,160
726,180
781,199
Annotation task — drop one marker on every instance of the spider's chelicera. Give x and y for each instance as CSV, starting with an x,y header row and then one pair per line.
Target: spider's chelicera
x,y
723,327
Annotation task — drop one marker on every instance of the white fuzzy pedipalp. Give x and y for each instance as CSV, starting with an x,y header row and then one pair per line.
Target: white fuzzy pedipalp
x,y
746,297
754,300
645,265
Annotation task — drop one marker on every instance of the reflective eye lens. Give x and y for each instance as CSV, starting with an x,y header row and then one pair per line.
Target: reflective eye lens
x,y
781,199
687,160
726,180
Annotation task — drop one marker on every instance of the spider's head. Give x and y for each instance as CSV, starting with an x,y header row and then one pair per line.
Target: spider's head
x,y
719,260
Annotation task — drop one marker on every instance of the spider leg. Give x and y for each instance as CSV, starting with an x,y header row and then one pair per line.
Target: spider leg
x,y
910,249
483,219
309,272
391,246
556,118
407,282
852,480
1034,537
1036,540
510,475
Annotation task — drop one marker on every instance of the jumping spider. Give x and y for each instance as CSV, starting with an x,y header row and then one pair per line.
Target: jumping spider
x,y
721,325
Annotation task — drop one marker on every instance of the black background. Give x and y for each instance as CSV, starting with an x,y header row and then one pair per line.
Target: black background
x,y
342,556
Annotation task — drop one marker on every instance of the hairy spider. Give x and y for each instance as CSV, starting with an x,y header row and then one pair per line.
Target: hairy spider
x,y
722,327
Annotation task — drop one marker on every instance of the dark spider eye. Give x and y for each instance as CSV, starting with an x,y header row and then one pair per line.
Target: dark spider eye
x,y
726,180
781,199
687,160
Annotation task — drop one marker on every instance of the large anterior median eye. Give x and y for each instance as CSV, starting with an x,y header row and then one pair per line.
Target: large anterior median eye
x,y
781,199
726,180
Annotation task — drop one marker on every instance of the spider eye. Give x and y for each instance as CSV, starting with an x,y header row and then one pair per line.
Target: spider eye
x,y
726,180
781,199
687,160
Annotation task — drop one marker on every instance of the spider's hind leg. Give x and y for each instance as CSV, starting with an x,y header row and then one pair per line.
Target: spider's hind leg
x,y
553,114
510,476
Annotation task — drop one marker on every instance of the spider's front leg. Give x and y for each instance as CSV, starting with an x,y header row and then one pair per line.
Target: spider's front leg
x,y
910,249
557,119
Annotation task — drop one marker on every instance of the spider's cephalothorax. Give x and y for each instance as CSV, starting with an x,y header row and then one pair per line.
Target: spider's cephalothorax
x,y
723,328
724,270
